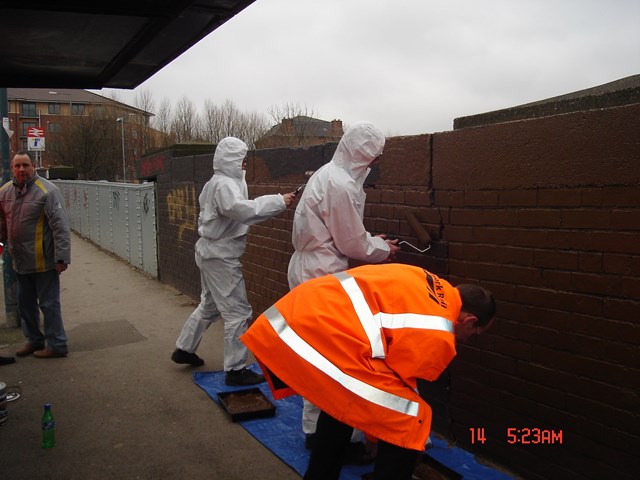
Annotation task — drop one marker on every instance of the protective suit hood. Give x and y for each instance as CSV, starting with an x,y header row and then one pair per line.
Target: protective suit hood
x,y
358,147
328,227
228,157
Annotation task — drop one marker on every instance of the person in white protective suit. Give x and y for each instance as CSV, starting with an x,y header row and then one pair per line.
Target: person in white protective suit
x,y
328,227
223,223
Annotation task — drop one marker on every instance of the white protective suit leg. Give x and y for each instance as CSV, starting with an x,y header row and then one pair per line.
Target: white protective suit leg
x,y
202,317
310,414
224,281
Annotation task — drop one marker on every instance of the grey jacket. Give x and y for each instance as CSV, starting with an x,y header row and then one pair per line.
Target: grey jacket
x,y
34,225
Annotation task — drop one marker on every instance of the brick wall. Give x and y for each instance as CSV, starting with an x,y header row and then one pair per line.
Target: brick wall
x,y
545,213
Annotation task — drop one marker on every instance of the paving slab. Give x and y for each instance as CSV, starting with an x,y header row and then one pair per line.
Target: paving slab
x,y
122,408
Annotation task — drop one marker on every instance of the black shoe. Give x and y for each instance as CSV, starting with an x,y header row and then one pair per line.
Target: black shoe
x,y
7,360
180,356
308,440
243,377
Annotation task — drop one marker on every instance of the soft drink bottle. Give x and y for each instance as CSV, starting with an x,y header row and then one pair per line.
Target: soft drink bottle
x,y
48,427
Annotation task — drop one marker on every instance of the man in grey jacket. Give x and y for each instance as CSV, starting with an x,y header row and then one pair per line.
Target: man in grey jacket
x,y
35,226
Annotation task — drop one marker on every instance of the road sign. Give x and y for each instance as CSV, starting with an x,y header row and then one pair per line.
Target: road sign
x,y
35,144
35,139
35,132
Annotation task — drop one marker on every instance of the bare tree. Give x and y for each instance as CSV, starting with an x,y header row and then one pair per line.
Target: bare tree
x,y
290,110
231,117
216,122
212,129
144,101
162,123
89,143
114,95
184,121
256,125
227,120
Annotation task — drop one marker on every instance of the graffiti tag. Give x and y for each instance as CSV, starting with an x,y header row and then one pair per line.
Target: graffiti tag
x,y
183,211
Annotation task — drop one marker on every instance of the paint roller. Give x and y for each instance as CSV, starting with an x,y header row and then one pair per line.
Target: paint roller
x,y
424,239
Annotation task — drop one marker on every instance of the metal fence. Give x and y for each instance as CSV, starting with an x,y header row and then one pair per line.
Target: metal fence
x,y
118,217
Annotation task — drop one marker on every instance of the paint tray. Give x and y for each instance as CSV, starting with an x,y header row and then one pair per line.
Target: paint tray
x,y
246,404
428,468
431,469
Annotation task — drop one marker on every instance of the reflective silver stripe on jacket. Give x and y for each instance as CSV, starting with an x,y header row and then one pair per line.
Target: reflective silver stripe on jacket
x,y
367,319
414,320
373,324
315,358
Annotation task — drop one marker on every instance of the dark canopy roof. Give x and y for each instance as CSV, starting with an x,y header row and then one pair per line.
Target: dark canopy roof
x,y
114,43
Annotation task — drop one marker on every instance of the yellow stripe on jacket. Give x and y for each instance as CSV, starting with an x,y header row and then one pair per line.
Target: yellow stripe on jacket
x,y
39,240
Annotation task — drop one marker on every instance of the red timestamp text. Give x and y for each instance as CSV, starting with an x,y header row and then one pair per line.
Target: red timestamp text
x,y
522,436
534,436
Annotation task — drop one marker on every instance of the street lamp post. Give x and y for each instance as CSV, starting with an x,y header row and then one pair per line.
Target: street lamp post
x,y
124,165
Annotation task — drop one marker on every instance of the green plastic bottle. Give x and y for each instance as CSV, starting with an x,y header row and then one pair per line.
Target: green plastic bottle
x,y
48,427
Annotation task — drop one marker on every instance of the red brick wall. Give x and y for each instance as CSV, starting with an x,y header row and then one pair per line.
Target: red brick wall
x,y
545,213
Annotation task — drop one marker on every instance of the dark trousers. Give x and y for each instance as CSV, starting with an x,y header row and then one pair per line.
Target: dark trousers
x,y
41,292
330,445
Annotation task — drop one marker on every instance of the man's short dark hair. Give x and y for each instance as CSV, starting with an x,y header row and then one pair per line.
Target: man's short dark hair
x,y
25,152
477,301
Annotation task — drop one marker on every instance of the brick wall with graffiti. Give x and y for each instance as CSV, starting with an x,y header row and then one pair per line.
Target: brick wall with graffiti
x,y
546,213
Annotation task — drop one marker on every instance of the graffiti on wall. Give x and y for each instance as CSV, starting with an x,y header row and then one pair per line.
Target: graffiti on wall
x,y
146,204
182,205
153,165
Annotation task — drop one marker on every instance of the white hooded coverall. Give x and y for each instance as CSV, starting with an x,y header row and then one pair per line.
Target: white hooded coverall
x,y
223,224
328,226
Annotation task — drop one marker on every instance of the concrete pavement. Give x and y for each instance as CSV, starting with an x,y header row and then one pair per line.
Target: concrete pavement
x,y
122,408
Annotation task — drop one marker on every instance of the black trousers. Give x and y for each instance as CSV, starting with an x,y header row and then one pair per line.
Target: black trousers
x,y
330,445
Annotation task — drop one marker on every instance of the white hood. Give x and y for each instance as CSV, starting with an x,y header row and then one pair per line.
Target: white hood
x,y
228,157
358,147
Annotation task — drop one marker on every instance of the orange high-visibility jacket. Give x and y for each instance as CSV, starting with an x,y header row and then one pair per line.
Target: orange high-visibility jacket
x,y
355,342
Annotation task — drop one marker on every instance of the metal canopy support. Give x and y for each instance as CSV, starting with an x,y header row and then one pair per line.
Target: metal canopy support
x,y
9,277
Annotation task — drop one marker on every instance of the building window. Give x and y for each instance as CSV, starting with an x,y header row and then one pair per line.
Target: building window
x,y
25,145
26,126
29,109
77,109
54,127
54,109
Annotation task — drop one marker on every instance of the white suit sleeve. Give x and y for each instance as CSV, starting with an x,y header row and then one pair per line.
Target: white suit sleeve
x,y
232,204
349,235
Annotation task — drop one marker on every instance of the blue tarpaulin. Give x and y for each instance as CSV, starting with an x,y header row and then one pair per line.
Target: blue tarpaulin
x,y
282,434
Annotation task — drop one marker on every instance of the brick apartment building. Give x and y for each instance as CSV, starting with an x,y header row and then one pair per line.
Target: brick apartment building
x,y
301,131
51,109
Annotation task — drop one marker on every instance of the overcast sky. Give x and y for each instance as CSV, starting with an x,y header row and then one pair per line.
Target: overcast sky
x,y
408,66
